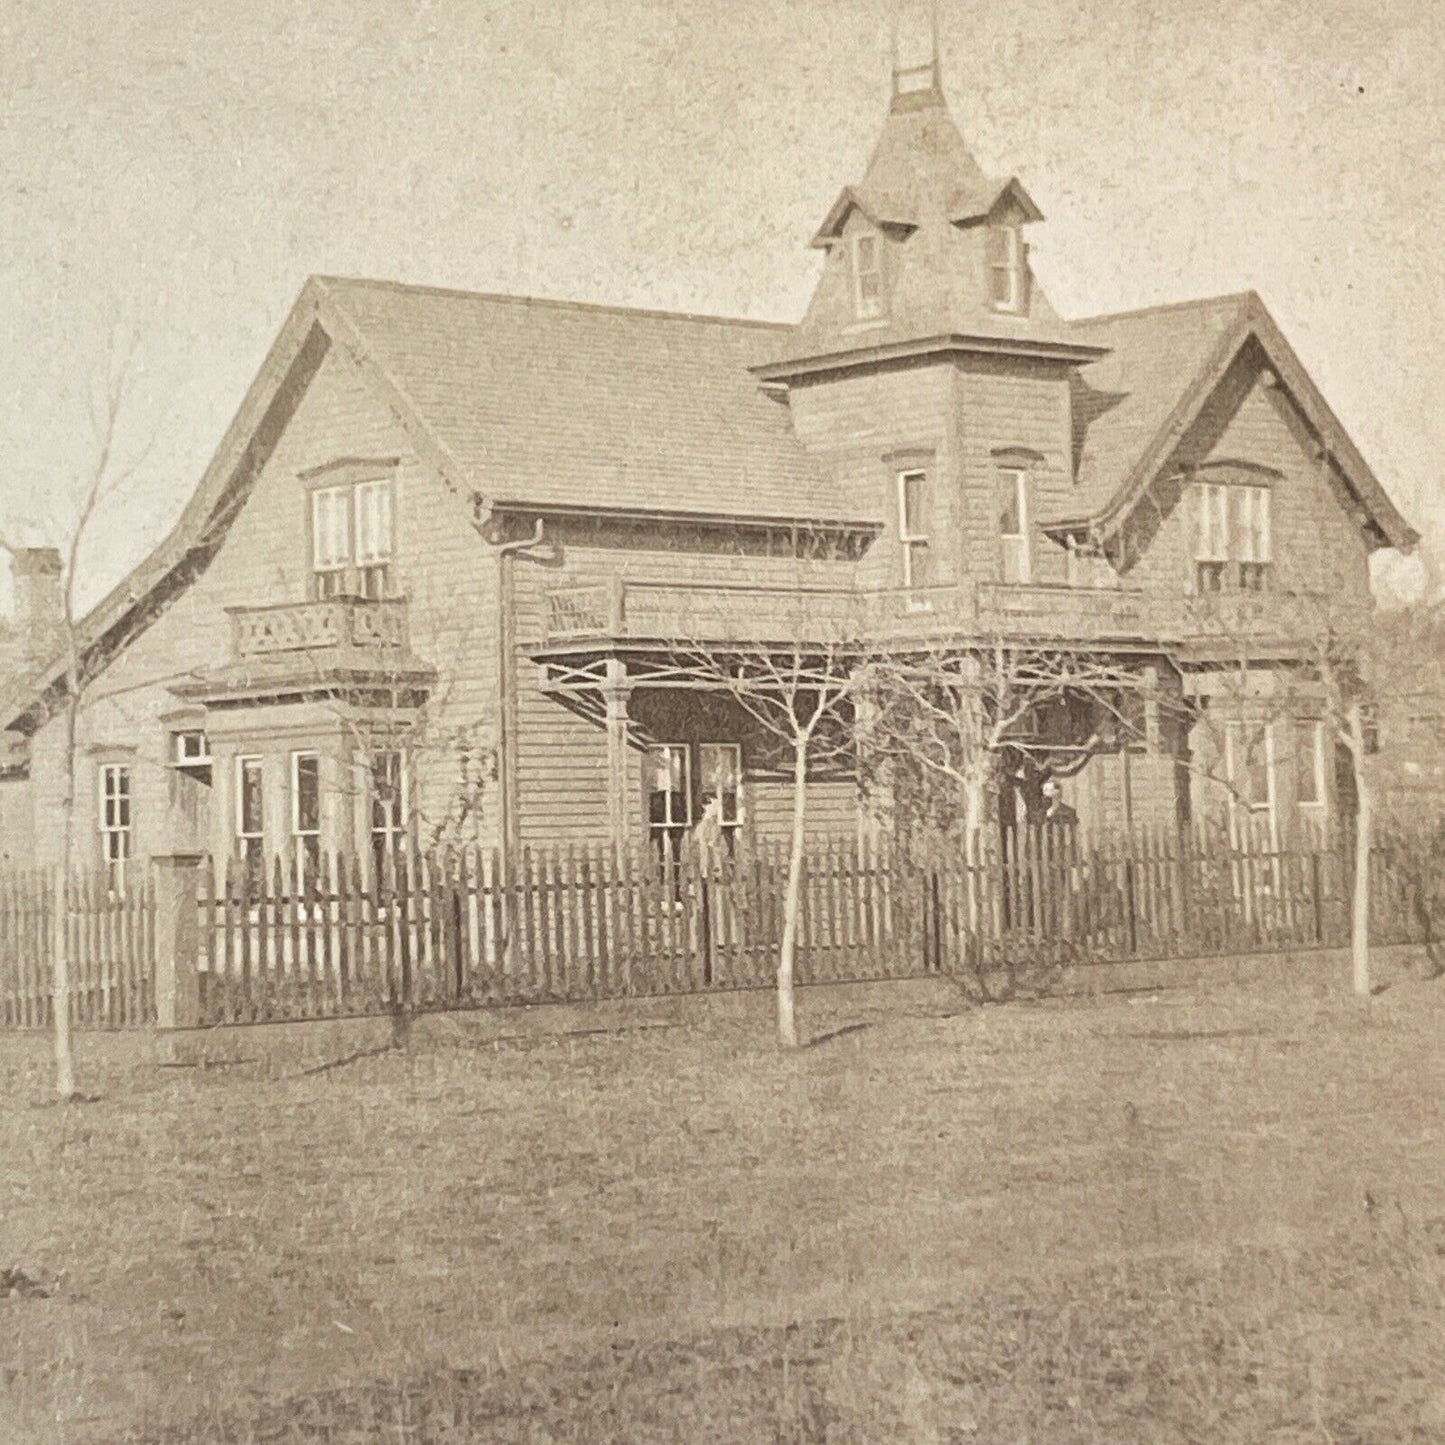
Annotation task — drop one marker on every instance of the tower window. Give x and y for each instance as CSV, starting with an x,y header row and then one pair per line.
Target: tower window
x,y
1008,276
867,275
1015,558
913,533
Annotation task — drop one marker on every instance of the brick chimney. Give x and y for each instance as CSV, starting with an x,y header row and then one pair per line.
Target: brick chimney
x,y
39,604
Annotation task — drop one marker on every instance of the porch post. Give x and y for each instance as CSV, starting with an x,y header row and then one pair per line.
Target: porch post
x,y
1151,710
616,691
177,940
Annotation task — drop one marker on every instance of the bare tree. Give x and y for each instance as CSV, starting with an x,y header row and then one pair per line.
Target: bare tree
x,y
1296,657
74,511
800,692
948,724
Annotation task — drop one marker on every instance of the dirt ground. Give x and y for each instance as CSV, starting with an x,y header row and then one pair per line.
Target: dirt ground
x,y
1213,1213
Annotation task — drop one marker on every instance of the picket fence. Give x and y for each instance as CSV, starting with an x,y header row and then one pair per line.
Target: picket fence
x,y
108,934
460,929
332,938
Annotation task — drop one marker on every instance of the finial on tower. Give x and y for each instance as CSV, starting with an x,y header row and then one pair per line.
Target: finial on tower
x,y
918,85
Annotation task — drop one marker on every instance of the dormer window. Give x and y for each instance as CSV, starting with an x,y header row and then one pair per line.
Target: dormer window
x,y
1008,275
867,275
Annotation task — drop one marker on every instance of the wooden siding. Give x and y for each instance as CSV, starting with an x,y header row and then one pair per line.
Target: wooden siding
x,y
447,571
1317,545
1025,406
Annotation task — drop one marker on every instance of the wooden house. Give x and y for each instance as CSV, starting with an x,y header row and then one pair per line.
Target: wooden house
x,y
435,580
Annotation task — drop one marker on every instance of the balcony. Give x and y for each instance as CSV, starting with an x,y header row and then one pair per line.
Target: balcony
x,y
331,627
1224,624
675,611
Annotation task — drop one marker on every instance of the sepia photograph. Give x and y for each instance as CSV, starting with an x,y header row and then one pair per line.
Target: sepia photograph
x,y
722,722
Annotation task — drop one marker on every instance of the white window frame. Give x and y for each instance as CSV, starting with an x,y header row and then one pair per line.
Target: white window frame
x,y
1233,531
683,751
1017,545
1006,260
116,819
1254,535
396,825
182,757
353,538
245,839
330,538
867,307
736,752
909,540
305,842
373,535
1312,731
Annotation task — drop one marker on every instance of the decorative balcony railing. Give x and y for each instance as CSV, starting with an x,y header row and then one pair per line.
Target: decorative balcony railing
x,y
712,612
335,624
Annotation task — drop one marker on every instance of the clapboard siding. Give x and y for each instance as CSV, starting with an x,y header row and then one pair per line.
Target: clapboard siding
x,y
445,569
1007,405
1318,546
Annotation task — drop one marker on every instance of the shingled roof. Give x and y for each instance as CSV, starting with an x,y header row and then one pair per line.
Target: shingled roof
x,y
1135,406
556,403
1123,400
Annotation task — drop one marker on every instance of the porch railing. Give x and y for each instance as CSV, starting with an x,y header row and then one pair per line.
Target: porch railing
x,y
661,610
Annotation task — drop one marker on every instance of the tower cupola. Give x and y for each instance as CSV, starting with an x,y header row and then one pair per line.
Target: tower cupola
x,y
926,244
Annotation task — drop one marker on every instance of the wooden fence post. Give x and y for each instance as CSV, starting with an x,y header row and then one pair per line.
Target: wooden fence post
x,y
177,940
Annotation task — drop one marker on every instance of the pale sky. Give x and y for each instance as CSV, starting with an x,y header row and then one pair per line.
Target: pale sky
x,y
175,169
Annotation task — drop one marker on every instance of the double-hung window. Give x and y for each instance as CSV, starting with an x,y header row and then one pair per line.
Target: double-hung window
x,y
331,540
372,505
1249,767
1233,548
1015,559
913,534
250,817
1211,551
721,766
1310,775
115,821
669,798
388,806
352,539
1252,540
1008,277
306,812
867,275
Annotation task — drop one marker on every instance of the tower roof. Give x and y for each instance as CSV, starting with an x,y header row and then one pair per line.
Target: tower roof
x,y
922,168
934,265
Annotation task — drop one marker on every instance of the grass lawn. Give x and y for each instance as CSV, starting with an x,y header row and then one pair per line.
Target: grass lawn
x,y
1211,1214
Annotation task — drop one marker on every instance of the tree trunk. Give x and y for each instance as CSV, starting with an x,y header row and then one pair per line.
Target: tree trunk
x,y
792,899
1364,830
972,847
59,937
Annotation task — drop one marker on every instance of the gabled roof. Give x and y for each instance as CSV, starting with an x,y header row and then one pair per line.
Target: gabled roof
x,y
1134,407
550,402
514,401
